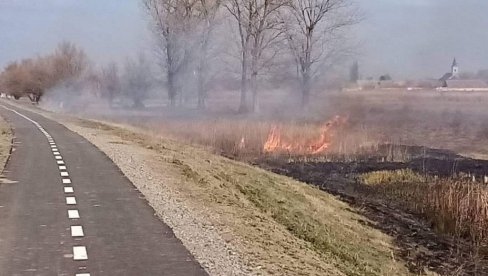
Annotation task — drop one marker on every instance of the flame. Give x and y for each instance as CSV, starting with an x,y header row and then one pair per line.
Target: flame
x,y
277,143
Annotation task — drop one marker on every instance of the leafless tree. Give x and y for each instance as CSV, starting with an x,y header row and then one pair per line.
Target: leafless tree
x,y
172,20
207,11
258,24
68,61
137,80
312,30
109,80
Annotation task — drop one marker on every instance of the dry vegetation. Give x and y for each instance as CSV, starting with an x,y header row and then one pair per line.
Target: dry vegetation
x,y
455,207
282,226
286,226
5,141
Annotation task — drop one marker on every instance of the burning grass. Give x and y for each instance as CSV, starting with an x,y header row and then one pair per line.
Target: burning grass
x,y
249,138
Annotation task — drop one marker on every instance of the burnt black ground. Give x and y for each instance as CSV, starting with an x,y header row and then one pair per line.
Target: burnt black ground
x,y
122,234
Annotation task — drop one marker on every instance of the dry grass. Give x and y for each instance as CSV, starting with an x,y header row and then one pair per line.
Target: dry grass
x,y
287,227
5,141
458,208
244,138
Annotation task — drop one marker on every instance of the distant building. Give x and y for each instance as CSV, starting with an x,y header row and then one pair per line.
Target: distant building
x,y
454,74
452,82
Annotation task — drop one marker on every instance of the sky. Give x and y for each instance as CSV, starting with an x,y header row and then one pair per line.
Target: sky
x,y
404,38
108,30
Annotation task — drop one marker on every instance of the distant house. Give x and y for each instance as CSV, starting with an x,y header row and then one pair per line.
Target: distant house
x,y
452,82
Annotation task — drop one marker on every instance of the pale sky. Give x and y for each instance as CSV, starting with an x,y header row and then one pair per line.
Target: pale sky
x,y
405,38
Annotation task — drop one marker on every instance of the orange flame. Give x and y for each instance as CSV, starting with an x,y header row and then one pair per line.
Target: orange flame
x,y
277,143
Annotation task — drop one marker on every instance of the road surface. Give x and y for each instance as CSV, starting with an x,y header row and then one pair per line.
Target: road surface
x,y
66,209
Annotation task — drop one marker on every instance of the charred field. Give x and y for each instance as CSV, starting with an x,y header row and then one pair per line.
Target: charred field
x,y
418,236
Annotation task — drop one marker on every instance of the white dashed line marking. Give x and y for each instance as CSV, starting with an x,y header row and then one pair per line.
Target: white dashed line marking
x,y
77,231
79,253
73,214
71,200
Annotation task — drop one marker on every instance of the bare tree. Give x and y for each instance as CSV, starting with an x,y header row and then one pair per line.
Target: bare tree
x,y
172,20
258,24
68,61
206,12
137,80
312,30
110,82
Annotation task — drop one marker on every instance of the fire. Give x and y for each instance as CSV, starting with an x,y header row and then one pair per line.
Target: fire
x,y
276,142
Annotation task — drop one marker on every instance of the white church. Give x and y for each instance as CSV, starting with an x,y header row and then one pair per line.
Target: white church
x,y
452,81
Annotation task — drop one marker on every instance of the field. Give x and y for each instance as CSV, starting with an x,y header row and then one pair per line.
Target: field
x,y
401,158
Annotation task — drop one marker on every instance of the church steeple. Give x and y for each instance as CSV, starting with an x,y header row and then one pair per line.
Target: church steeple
x,y
454,68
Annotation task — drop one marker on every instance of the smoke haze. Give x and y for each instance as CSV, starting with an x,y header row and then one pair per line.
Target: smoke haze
x,y
407,39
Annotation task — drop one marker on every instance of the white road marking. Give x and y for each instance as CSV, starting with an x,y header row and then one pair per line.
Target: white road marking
x,y
73,214
82,274
77,231
79,253
71,200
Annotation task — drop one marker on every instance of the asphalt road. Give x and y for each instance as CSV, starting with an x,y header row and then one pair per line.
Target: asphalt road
x,y
66,209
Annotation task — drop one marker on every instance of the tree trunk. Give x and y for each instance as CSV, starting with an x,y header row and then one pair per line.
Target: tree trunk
x,y
171,89
243,108
305,88
202,93
201,90
254,89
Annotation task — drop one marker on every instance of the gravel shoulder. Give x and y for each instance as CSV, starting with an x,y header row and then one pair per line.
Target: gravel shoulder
x,y
237,219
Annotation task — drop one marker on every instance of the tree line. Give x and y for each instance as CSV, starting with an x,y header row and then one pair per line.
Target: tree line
x,y
304,33
68,68
195,42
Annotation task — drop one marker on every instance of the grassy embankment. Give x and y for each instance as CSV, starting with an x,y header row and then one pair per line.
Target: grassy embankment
x,y
5,142
285,226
